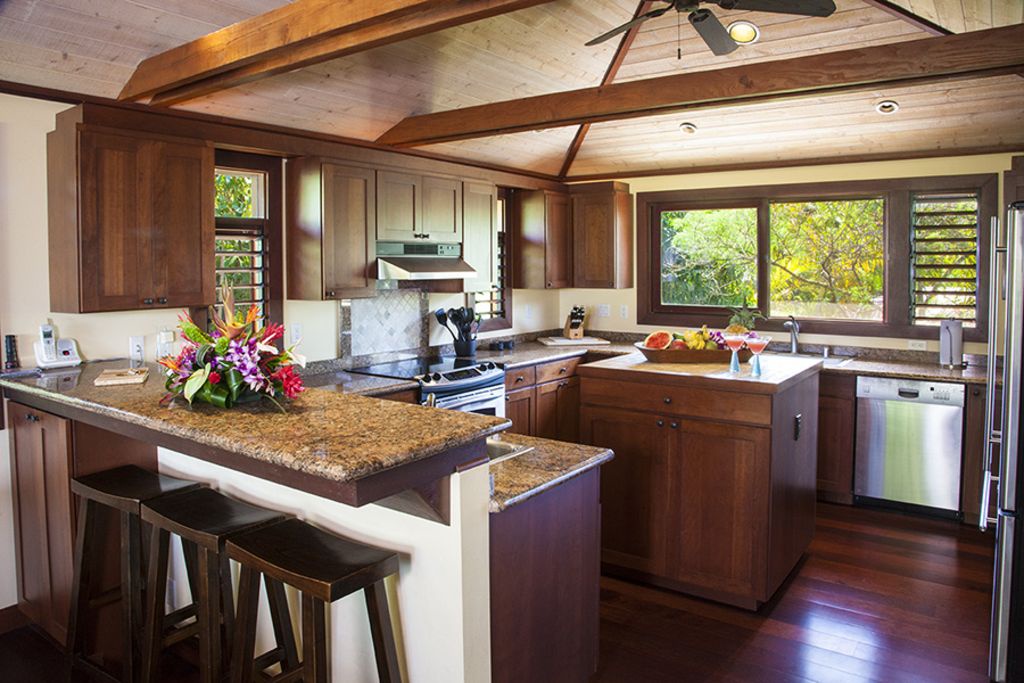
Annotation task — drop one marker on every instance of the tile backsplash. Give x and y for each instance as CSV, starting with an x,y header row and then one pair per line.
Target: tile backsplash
x,y
393,321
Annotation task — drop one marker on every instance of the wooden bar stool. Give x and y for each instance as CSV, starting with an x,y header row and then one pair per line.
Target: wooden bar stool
x,y
123,490
204,519
324,567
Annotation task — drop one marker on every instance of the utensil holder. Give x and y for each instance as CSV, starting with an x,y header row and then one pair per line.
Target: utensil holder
x,y
465,348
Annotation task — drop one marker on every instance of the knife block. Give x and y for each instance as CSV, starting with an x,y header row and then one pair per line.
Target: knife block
x,y
571,332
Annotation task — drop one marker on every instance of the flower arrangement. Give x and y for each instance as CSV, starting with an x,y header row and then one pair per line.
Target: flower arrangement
x,y
237,363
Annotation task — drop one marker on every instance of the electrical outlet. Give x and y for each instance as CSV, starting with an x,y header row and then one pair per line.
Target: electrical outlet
x,y
136,349
604,311
624,311
528,311
296,333
917,345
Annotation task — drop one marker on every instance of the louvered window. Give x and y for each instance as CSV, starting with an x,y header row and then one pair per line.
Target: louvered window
x,y
944,258
493,304
241,250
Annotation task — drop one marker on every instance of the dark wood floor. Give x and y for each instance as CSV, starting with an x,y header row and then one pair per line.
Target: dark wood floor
x,y
880,597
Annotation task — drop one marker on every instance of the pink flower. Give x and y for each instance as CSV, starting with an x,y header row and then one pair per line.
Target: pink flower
x,y
214,378
291,383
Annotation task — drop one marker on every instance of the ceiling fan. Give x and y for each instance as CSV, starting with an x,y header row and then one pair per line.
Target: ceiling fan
x,y
710,29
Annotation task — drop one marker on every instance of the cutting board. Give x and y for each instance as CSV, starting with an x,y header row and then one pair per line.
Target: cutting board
x,y
564,341
112,378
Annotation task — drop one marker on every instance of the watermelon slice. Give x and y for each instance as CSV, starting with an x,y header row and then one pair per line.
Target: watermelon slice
x,y
658,340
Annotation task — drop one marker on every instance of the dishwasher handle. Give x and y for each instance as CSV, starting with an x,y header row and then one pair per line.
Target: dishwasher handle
x,y
908,393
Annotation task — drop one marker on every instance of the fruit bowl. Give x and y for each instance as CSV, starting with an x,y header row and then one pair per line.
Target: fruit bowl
x,y
690,355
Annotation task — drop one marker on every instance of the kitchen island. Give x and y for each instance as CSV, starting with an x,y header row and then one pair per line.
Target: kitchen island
x,y
343,461
712,491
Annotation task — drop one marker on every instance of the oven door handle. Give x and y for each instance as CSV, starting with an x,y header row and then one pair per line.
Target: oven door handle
x,y
460,403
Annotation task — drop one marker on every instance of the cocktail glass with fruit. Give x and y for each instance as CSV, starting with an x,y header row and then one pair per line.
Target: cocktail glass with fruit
x,y
756,343
734,342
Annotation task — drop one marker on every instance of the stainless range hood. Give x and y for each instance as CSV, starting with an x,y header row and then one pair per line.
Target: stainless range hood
x,y
403,261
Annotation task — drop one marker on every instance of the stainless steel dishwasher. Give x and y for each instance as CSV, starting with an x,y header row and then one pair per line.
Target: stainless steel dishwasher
x,y
909,438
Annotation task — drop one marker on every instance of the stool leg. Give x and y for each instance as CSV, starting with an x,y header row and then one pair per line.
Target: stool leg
x,y
314,641
209,599
383,634
245,626
282,621
156,595
131,594
87,510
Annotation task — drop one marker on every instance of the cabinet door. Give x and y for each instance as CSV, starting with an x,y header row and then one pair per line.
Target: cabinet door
x,y
441,218
115,262
480,234
557,242
973,457
521,408
558,410
398,206
179,216
42,500
349,209
635,487
718,506
836,410
593,225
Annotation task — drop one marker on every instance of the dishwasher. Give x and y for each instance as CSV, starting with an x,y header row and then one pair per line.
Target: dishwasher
x,y
908,444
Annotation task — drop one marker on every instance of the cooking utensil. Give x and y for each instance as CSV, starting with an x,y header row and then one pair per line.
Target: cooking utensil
x,y
442,318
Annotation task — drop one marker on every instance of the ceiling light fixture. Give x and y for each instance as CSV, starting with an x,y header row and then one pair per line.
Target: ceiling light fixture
x,y
744,32
886,107
688,128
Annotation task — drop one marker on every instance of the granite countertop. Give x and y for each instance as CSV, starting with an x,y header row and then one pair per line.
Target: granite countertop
x,y
330,435
365,385
549,464
972,374
531,353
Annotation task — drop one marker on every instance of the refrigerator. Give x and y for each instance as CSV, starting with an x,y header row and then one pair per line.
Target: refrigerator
x,y
1005,440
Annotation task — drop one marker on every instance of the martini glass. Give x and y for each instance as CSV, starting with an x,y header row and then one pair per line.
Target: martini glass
x,y
757,344
734,342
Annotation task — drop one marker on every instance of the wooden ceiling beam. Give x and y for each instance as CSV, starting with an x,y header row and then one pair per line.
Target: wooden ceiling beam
x,y
299,34
963,55
609,76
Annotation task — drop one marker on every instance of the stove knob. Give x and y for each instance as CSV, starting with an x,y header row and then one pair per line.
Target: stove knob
x,y
436,377
426,379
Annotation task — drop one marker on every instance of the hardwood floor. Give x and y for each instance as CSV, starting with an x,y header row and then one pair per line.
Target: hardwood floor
x,y
879,597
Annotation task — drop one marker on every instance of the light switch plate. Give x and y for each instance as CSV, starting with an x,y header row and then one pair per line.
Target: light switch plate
x,y
917,345
624,311
604,311
136,348
296,333
528,311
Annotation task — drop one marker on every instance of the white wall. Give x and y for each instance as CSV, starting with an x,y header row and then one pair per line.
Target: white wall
x,y
591,298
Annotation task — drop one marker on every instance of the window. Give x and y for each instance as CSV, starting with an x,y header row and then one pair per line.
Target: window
x,y
882,258
495,305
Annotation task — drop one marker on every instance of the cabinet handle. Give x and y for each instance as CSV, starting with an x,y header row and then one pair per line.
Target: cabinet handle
x,y
562,371
550,286
507,398
162,300
667,400
661,423
330,293
147,302
519,379
32,418
798,423
425,235
674,425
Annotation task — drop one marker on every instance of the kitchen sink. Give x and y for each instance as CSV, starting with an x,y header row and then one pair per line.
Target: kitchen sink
x,y
830,362
498,450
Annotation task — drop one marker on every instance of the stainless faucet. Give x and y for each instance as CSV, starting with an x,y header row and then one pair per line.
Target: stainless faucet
x,y
794,331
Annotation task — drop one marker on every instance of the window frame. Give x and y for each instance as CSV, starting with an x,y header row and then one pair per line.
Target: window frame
x,y
504,194
897,193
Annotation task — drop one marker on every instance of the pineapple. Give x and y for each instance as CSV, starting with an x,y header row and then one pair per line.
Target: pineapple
x,y
743,320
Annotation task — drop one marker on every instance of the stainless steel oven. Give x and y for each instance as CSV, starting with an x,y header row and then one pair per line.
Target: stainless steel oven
x,y
452,383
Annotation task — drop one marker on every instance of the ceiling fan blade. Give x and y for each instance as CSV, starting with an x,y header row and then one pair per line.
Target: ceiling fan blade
x,y
628,25
711,30
810,8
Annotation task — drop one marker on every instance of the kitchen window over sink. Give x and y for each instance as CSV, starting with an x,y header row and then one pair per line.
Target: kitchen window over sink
x,y
873,258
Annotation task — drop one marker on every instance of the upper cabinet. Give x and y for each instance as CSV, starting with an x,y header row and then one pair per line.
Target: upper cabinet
x,y
130,220
602,227
543,242
331,229
418,208
480,234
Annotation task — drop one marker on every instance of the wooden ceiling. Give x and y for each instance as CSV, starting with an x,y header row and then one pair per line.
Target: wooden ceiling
x,y
93,47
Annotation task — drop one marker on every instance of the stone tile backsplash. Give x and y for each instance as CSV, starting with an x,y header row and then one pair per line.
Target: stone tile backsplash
x,y
393,321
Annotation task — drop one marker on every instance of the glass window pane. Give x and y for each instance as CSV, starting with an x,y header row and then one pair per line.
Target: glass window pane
x,y
709,257
239,194
828,259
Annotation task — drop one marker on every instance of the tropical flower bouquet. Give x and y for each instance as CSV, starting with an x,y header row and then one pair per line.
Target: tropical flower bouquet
x,y
237,363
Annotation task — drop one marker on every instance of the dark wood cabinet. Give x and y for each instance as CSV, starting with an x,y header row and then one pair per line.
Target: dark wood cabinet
x,y
419,208
837,407
558,410
131,221
544,400
602,229
973,457
521,409
543,241
331,229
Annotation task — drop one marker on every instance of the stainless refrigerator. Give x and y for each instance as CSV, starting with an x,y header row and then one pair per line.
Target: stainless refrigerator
x,y
1004,446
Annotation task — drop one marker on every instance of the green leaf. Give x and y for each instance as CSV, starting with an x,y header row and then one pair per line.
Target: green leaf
x,y
193,333
235,383
221,345
196,382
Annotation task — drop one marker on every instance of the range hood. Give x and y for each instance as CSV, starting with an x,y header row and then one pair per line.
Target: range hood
x,y
404,261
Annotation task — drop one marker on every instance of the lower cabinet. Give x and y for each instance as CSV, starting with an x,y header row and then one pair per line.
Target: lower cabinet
x,y
558,410
544,400
521,409
973,458
837,406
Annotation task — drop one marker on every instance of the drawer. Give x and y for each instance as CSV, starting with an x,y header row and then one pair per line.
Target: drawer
x,y
724,406
520,377
559,369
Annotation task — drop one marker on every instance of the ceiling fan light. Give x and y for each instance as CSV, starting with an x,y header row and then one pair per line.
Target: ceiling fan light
x,y
688,128
744,32
887,107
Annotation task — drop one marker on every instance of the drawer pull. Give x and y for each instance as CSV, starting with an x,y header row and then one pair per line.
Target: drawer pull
x,y
562,371
147,302
667,400
661,423
519,379
162,300
674,425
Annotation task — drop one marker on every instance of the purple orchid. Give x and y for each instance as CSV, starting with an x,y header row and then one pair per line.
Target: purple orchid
x,y
245,358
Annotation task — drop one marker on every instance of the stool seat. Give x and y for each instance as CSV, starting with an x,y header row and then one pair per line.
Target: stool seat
x,y
206,517
126,488
318,563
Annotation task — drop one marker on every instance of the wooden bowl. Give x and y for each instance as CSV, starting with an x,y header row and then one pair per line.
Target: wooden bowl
x,y
690,356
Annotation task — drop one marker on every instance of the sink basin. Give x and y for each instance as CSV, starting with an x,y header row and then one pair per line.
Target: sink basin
x,y
500,450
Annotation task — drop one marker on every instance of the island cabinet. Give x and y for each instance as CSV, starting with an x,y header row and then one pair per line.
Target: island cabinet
x,y
331,223
131,222
712,489
418,208
542,243
544,400
602,228
837,408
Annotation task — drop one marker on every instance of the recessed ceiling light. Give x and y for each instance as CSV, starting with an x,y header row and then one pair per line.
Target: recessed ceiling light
x,y
744,32
688,128
886,107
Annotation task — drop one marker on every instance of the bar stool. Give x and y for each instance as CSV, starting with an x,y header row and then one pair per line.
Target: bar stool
x,y
324,568
204,519
123,490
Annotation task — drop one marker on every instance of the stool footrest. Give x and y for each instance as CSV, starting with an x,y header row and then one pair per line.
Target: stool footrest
x,y
181,633
179,615
107,598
